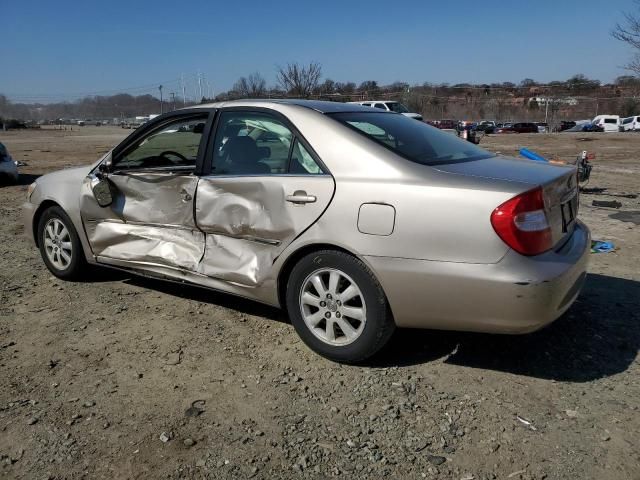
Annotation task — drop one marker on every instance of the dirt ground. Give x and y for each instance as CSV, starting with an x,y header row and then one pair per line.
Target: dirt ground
x,y
95,373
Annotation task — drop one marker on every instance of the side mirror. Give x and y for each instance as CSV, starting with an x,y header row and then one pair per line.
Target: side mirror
x,y
101,189
105,166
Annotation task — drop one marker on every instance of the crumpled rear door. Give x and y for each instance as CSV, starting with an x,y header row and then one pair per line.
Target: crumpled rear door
x,y
250,220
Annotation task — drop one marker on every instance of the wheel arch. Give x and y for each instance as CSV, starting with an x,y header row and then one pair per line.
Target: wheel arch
x,y
294,257
46,204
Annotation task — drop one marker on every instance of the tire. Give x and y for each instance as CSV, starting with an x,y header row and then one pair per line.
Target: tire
x,y
67,243
333,308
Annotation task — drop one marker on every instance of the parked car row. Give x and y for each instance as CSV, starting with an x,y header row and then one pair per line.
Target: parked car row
x,y
602,123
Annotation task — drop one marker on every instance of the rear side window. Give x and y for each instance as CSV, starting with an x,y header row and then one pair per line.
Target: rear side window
x,y
380,106
302,162
414,140
610,120
255,143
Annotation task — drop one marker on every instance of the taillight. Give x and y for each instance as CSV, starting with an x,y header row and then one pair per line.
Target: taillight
x,y
522,223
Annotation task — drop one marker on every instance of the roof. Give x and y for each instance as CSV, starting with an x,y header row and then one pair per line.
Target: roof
x,y
317,105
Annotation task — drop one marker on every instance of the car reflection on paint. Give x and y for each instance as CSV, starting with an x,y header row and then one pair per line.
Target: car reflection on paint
x,y
353,219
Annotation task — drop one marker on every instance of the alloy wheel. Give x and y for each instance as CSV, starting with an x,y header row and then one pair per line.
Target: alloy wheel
x,y
57,244
333,306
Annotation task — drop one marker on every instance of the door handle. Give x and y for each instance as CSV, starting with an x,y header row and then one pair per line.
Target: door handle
x,y
300,196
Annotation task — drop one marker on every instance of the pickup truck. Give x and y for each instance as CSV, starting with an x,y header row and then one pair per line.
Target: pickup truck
x,y
390,106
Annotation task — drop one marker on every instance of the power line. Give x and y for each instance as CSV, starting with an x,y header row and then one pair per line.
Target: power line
x,y
140,88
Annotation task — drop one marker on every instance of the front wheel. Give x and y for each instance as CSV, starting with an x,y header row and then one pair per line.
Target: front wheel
x,y
60,246
338,307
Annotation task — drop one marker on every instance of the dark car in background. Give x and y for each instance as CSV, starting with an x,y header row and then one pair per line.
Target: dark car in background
x,y
566,125
522,127
592,127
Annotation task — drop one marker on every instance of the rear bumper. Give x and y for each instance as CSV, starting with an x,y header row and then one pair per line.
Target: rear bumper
x,y
516,295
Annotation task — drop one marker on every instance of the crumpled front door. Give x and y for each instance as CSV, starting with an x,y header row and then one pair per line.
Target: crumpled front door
x,y
149,222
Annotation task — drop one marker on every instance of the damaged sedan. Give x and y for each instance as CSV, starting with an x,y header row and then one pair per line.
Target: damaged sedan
x,y
354,220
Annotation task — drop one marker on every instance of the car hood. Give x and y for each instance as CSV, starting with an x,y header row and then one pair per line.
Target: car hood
x,y
509,169
63,179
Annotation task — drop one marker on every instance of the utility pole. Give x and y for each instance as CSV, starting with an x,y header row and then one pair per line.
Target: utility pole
x,y
184,93
173,100
160,88
200,86
546,109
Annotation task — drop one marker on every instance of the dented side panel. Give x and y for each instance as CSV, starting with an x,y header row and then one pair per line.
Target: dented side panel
x,y
164,198
248,221
161,245
150,220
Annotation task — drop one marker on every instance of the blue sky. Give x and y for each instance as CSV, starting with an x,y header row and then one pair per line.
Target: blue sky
x,y
54,50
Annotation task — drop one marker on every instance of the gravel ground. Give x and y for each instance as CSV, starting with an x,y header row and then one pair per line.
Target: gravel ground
x,y
124,377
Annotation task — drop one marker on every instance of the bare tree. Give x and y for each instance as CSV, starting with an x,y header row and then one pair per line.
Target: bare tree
x,y
253,86
299,80
629,33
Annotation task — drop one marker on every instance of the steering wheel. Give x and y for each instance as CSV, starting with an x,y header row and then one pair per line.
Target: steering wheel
x,y
175,154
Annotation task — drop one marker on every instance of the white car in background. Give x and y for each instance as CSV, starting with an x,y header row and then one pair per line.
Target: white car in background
x,y
390,106
609,123
630,124
8,168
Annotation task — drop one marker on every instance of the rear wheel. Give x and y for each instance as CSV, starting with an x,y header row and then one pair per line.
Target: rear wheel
x,y
59,244
338,307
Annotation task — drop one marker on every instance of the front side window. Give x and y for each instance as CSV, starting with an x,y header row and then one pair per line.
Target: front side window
x,y
254,143
416,141
174,145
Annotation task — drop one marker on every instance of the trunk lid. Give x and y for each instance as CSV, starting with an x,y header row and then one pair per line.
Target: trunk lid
x,y
559,184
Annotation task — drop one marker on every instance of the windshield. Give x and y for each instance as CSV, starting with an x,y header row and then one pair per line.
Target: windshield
x,y
397,107
412,139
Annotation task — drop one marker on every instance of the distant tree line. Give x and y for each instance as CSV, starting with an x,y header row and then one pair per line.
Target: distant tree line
x,y
527,100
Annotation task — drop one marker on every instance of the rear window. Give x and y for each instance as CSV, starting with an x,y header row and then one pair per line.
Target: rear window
x,y
412,139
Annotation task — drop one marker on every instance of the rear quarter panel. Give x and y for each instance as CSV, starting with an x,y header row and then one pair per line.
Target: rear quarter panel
x,y
438,221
